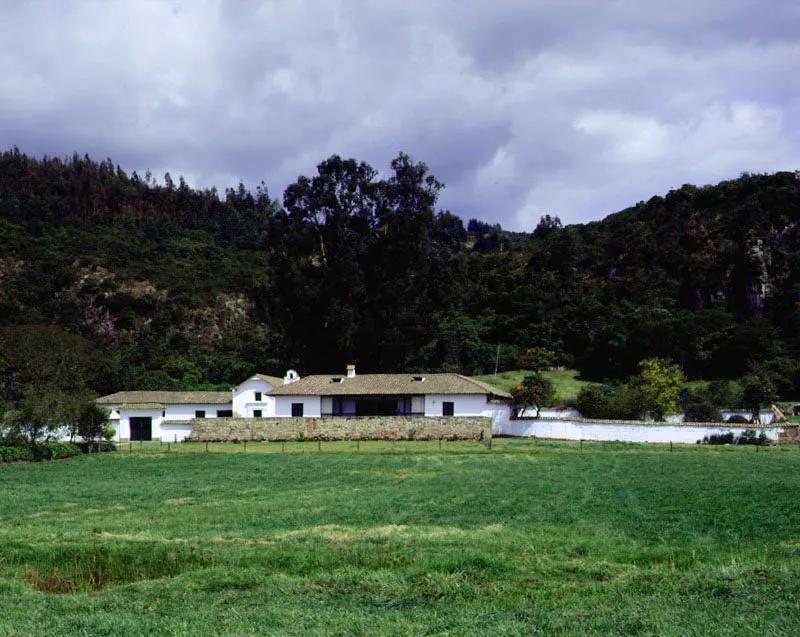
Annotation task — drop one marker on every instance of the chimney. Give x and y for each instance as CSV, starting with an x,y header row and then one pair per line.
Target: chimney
x,y
351,371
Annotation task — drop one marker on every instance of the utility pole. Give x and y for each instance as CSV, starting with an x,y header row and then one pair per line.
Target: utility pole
x,y
497,359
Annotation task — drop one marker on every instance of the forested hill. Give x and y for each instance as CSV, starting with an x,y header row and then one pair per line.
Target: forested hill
x,y
162,286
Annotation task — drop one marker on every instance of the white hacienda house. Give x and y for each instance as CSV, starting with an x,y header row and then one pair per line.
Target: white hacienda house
x,y
164,415
387,395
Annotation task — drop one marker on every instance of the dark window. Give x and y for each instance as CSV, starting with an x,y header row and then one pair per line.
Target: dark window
x,y
200,413
448,409
224,413
256,413
258,396
297,410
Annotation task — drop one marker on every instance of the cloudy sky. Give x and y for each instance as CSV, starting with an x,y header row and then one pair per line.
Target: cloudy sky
x,y
522,107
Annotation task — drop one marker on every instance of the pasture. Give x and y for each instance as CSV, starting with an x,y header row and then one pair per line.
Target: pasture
x,y
529,537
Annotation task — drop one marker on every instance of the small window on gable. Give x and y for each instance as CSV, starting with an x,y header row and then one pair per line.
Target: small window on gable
x,y
256,413
258,396
200,413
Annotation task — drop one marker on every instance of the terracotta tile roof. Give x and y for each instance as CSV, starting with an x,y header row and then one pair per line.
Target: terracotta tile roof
x,y
386,385
129,398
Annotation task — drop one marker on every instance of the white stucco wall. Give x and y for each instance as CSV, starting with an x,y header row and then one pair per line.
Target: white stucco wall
x,y
244,398
161,424
463,405
627,432
312,406
551,412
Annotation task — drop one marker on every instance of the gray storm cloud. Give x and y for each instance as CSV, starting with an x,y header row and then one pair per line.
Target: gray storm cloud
x,y
522,108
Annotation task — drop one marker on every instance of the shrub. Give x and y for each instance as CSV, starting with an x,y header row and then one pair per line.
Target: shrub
x,y
702,412
593,402
750,437
14,453
736,419
610,403
719,439
55,451
626,404
100,446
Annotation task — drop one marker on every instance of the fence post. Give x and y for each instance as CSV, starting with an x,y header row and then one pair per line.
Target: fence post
x,y
206,445
130,446
283,446
358,444
245,445
167,447
581,445
670,446
319,444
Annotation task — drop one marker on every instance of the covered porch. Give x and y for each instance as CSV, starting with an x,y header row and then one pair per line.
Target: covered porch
x,y
373,405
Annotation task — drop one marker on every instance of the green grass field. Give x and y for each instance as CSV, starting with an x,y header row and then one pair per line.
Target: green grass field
x,y
566,383
528,538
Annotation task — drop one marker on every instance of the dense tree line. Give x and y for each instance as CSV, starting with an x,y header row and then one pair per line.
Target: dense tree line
x,y
178,287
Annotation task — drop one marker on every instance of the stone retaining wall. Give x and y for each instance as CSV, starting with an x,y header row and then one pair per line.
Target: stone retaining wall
x,y
342,428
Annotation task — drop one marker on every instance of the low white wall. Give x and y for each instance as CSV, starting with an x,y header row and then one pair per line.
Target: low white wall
x,y
463,405
175,431
574,429
550,412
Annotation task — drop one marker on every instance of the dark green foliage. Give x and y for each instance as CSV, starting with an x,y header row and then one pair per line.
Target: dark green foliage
x,y
751,437
54,451
757,390
736,419
172,287
595,402
620,402
723,393
12,453
747,437
97,446
719,439
702,412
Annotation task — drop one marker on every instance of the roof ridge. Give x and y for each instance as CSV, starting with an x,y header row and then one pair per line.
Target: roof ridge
x,y
484,385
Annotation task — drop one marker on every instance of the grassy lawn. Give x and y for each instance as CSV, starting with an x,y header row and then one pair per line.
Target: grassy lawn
x,y
566,383
529,537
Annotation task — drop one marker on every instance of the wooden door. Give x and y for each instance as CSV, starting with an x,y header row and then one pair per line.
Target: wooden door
x,y
141,428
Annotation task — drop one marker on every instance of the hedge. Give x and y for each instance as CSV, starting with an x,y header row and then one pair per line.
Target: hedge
x,y
40,452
